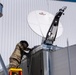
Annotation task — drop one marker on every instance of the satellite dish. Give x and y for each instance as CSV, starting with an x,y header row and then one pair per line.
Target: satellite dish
x,y
40,21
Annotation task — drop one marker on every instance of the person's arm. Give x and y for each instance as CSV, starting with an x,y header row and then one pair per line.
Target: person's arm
x,y
15,58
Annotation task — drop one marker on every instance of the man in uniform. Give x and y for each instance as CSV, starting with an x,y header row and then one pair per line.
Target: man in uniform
x,y
16,57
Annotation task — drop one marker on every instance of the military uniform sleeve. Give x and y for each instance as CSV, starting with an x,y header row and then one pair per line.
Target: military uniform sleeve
x,y
15,58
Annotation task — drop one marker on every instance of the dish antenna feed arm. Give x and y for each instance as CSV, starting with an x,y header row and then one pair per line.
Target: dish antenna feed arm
x,y
52,32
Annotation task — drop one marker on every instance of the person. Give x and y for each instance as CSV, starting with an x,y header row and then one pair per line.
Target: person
x,y
16,57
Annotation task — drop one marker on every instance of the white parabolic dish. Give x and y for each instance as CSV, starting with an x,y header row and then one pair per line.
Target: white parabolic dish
x,y
40,21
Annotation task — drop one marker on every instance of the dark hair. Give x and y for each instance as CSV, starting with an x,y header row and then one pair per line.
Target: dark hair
x,y
24,42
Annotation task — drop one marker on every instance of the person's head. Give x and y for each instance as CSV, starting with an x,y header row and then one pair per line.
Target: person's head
x,y
24,44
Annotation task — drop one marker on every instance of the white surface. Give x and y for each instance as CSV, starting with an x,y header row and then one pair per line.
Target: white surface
x,y
40,22
14,26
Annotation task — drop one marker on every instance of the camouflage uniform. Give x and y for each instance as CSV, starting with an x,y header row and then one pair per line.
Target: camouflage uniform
x,y
16,57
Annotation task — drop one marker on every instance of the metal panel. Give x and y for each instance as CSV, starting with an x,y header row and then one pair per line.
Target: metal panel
x,y
37,64
44,62
14,26
57,62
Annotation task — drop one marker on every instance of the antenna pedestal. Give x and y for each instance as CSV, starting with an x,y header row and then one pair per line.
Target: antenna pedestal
x,y
41,62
